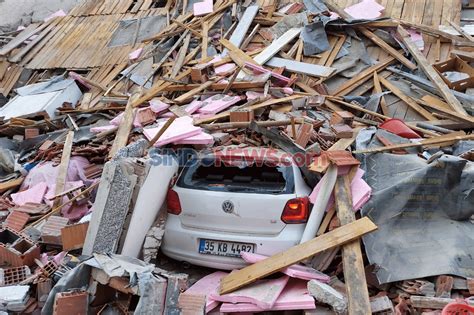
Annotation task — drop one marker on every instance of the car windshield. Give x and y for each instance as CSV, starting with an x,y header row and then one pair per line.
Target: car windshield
x,y
215,175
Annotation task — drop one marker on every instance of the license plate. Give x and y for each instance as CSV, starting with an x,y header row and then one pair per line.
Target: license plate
x,y
223,248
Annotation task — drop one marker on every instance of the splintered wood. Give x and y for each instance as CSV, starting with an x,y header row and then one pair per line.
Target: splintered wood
x,y
296,254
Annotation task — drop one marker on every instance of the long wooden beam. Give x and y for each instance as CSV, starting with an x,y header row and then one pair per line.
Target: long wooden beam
x,y
392,51
430,72
297,253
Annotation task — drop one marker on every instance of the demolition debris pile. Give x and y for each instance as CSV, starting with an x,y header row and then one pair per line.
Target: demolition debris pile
x,y
377,97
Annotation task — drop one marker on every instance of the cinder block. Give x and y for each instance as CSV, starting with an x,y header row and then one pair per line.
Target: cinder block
x,y
71,303
16,249
14,275
73,236
241,115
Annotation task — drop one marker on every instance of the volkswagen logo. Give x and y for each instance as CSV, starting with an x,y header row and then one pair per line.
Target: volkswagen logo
x,y
228,206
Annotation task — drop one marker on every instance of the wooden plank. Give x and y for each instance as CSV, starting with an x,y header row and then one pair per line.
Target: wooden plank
x,y
337,237
205,40
157,88
251,107
181,56
237,55
353,83
189,95
426,302
243,85
4,186
23,51
466,55
13,74
63,167
432,99
461,31
29,31
430,72
452,114
123,132
420,110
386,47
378,89
432,141
335,51
353,263
242,27
276,46
301,67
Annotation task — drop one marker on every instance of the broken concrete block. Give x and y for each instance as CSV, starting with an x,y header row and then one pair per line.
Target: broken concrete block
x,y
326,294
153,241
14,298
148,202
381,304
221,137
110,208
17,250
42,290
177,283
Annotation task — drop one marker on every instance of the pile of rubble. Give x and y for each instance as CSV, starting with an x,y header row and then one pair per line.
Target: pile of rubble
x,y
102,107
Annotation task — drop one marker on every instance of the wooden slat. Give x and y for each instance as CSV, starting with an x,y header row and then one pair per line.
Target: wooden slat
x,y
420,110
337,237
252,107
353,263
123,132
389,49
366,74
81,42
378,89
29,31
63,167
455,136
430,72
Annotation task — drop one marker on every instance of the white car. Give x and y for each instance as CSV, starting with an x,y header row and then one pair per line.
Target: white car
x,y
251,199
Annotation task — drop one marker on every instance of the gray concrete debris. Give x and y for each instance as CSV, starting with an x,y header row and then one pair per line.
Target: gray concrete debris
x,y
111,207
153,241
134,149
326,294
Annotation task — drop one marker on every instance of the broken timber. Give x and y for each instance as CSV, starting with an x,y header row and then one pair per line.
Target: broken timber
x,y
430,72
353,264
125,127
296,254
63,167
301,67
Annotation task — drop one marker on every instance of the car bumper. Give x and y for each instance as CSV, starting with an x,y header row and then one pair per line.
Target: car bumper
x,y
182,244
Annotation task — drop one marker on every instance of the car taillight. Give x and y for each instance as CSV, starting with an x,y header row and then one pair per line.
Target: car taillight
x,y
296,211
173,203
